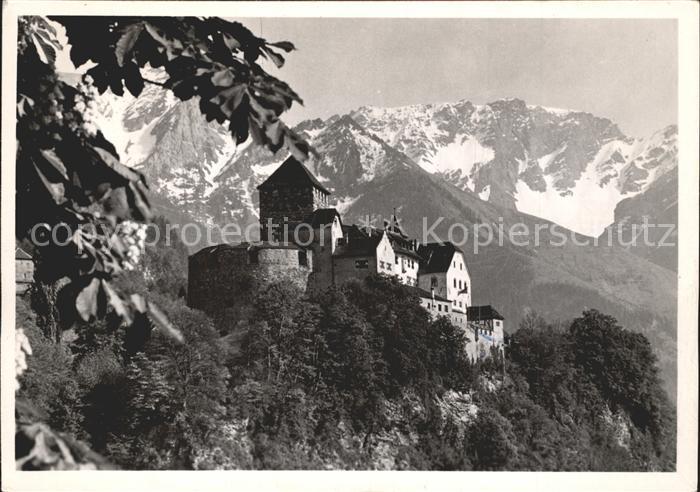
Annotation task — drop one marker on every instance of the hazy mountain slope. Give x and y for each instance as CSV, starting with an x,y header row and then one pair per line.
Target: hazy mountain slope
x,y
556,281
656,209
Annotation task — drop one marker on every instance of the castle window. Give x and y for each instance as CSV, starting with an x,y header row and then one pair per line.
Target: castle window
x,y
397,260
253,256
454,280
433,282
303,260
361,264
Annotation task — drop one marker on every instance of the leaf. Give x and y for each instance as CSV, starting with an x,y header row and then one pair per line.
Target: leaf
x,y
46,52
183,89
113,163
24,101
284,45
231,42
116,302
99,76
163,323
133,80
229,99
138,202
86,301
158,35
138,302
56,190
126,43
276,58
223,78
48,38
51,157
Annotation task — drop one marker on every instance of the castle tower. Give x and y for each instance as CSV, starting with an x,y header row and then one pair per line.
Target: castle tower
x,y
290,194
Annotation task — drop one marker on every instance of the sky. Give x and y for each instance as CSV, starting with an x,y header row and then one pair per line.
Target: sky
x,y
622,69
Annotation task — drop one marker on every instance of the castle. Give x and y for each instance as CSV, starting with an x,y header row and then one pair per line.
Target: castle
x,y
305,242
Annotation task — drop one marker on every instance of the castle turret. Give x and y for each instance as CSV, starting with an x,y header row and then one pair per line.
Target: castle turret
x,y
289,195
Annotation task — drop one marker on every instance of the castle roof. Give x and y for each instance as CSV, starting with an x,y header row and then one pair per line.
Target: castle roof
x,y
322,216
20,254
291,171
482,313
358,246
399,242
437,257
217,248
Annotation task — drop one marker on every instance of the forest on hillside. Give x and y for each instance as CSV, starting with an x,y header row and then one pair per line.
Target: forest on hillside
x,y
357,378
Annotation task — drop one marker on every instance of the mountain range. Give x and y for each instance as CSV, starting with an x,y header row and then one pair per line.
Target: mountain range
x,y
505,162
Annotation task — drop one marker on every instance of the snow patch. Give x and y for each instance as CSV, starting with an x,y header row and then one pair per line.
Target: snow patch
x,y
266,169
225,155
343,204
546,160
588,208
557,111
462,155
485,193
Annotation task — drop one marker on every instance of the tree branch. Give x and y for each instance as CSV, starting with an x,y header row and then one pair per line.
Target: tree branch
x,y
156,83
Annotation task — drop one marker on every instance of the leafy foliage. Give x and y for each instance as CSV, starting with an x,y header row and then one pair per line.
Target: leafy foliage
x,y
69,178
290,382
81,206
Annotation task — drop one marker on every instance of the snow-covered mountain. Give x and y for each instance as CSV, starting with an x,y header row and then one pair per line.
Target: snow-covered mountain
x,y
569,167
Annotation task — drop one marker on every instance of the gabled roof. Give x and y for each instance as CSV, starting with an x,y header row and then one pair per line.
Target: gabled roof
x,y
293,171
482,313
358,246
437,257
20,254
322,216
400,244
217,248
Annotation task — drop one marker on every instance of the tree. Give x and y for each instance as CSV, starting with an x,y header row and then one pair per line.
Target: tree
x,y
623,366
490,441
75,199
69,176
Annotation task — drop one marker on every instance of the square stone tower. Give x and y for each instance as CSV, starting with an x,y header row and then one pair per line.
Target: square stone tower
x,y
290,195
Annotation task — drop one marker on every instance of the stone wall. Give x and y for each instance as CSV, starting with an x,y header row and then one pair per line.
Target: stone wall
x,y
322,276
289,203
229,277
435,307
425,282
347,268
